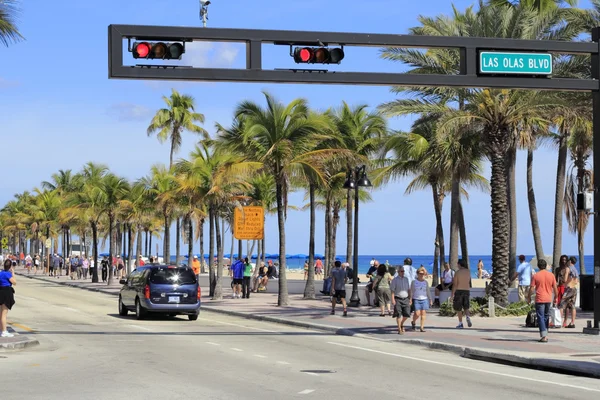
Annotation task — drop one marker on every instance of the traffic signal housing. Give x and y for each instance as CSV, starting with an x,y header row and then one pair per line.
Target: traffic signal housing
x,y
158,50
318,55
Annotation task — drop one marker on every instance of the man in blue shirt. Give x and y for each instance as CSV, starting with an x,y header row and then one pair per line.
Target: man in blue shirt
x,y
237,273
524,272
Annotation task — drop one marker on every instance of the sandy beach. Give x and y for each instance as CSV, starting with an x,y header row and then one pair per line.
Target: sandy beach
x,y
477,283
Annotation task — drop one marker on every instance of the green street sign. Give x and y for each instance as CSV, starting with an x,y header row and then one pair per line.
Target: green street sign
x,y
4,243
493,62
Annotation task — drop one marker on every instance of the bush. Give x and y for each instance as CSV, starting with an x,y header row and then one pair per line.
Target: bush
x,y
479,307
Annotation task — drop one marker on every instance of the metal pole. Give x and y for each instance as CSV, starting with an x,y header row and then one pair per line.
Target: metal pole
x,y
596,158
355,299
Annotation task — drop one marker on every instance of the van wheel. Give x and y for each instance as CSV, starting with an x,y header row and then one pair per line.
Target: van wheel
x,y
193,317
140,312
122,309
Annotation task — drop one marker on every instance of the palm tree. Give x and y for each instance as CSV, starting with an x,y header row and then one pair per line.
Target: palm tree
x,y
113,190
281,138
361,132
8,28
162,186
178,116
538,5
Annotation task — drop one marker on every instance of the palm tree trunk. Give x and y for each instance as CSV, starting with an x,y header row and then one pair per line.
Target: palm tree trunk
x,y
500,229
220,235
511,194
436,259
95,251
201,238
455,200
263,248
129,247
335,221
146,243
559,197
464,249
111,243
309,288
327,234
282,299
211,253
190,240
582,219
349,228
177,240
167,239
150,245
439,229
535,225
138,252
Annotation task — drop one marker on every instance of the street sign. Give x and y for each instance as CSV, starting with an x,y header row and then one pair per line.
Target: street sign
x,y
494,62
249,223
48,243
4,243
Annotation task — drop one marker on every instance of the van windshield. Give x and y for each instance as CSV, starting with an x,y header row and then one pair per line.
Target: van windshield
x,y
172,276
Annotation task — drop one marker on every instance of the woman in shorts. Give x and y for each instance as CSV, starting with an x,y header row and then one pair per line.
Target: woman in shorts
x,y
421,298
7,296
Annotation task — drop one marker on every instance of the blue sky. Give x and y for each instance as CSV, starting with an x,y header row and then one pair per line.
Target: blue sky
x,y
60,110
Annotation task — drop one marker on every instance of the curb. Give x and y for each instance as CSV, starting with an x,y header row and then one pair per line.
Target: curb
x,y
556,365
25,342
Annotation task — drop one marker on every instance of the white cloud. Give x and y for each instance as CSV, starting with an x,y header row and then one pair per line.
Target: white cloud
x,y
129,112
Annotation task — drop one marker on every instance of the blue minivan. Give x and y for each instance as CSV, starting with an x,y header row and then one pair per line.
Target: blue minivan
x,y
160,289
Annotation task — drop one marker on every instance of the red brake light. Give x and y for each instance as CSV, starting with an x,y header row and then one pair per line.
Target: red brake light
x,y
199,292
171,266
147,292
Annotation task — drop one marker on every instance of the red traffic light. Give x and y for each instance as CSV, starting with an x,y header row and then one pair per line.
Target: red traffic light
x,y
319,55
159,50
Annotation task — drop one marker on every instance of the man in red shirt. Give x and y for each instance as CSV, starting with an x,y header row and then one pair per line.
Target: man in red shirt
x,y
544,285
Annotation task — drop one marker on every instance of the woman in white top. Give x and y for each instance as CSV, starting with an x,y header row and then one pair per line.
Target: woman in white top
x,y
420,298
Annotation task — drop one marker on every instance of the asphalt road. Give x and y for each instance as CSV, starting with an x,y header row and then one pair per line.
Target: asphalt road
x,y
88,352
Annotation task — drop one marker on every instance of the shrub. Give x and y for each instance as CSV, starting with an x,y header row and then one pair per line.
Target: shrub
x,y
479,307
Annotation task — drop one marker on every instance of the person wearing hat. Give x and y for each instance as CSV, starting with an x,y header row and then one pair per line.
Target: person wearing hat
x,y
524,272
196,266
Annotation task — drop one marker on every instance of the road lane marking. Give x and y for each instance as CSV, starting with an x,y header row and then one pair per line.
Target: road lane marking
x,y
213,343
283,362
445,364
25,328
238,325
312,373
260,356
71,309
141,327
127,340
18,296
235,349
306,391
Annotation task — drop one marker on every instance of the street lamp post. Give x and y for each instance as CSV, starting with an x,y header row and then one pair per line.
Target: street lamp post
x,y
355,179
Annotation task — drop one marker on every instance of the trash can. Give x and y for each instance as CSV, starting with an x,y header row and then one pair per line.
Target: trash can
x,y
586,292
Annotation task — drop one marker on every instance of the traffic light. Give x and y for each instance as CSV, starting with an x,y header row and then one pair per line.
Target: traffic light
x,y
160,50
318,55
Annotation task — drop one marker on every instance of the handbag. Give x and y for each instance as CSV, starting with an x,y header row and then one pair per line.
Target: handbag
x,y
376,284
555,317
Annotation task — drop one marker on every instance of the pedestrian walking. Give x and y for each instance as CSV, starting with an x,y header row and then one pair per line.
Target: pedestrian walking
x,y
543,284
104,266
237,273
85,265
461,294
7,296
338,286
381,286
400,289
567,302
447,279
524,272
420,298
247,277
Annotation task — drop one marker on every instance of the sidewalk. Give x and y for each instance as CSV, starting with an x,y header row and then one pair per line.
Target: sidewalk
x,y
17,342
491,339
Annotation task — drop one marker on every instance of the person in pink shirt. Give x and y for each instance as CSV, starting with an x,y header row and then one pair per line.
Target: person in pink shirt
x,y
543,284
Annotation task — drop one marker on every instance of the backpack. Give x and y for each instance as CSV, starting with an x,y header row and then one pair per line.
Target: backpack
x,y
531,320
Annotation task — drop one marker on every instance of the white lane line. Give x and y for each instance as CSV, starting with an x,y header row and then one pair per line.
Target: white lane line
x,y
283,363
306,391
71,309
18,296
311,373
236,349
260,356
127,340
213,343
141,327
238,325
445,364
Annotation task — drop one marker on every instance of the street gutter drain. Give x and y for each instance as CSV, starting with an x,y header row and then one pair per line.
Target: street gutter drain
x,y
318,371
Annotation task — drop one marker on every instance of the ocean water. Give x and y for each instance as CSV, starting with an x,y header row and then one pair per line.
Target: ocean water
x,y
297,263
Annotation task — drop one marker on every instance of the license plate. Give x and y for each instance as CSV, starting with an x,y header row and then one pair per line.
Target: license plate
x,y
173,299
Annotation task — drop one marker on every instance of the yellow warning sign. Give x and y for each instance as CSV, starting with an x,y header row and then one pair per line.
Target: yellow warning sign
x,y
249,223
